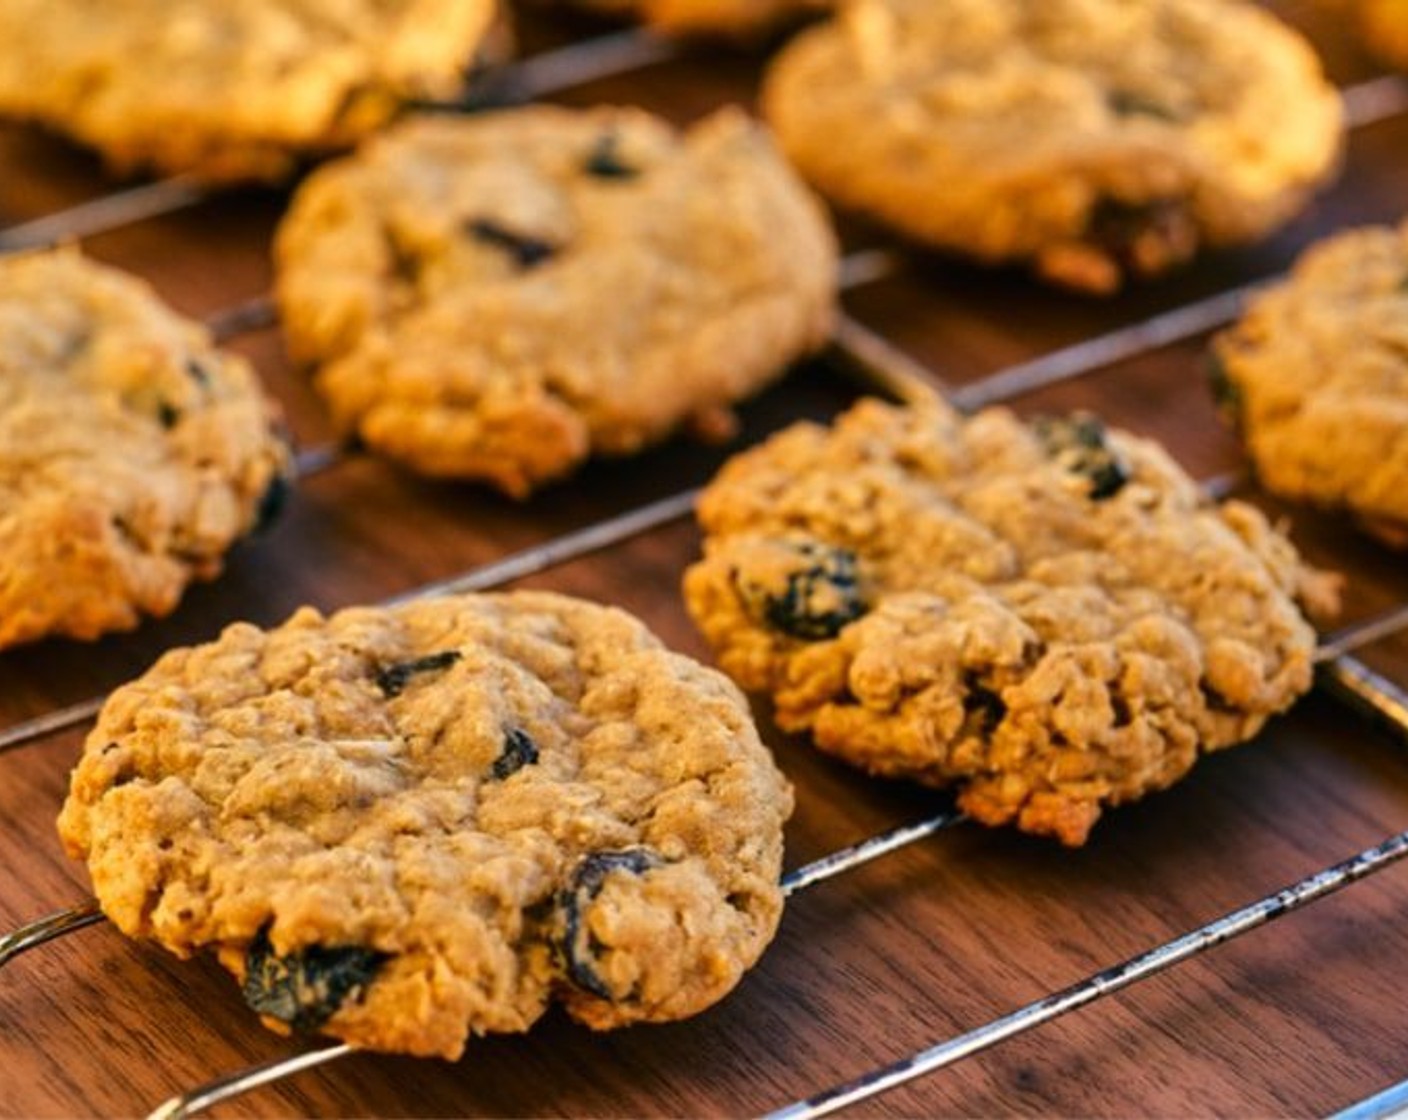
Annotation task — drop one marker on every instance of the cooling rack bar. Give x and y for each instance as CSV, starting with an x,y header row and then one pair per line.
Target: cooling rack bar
x,y
1375,100
1098,985
827,867
867,266
1105,350
830,866
551,72
1391,1104
245,1081
109,212
46,929
530,561
87,913
857,269
880,363
51,723
260,312
1365,104
1368,693
1346,677
582,63
1362,634
571,546
255,314
556,70
1102,983
320,457
311,461
1222,486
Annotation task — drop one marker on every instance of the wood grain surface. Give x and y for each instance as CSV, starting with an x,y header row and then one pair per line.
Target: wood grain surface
x,y
1303,1017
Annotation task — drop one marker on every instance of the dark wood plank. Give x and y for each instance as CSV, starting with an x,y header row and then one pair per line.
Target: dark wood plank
x,y
1302,1017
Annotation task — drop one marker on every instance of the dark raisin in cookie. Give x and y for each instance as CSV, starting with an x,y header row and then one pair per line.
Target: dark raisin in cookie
x,y
402,827
1049,616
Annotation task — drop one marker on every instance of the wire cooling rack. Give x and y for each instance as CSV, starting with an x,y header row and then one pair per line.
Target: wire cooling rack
x,y
1125,356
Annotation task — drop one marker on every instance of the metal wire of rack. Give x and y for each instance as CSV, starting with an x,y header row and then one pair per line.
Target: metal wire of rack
x,y
885,367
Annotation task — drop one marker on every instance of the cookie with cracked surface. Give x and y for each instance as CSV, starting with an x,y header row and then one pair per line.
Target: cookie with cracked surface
x,y
404,826
226,90
1315,377
991,604
498,297
1096,140
133,453
733,18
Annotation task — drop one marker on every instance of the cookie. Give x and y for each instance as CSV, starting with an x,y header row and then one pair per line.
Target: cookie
x,y
733,18
1050,616
228,90
1095,140
498,297
1315,376
403,826
133,453
1385,26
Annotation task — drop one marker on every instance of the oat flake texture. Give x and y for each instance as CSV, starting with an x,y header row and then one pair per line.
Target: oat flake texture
x,y
1050,617
406,826
499,296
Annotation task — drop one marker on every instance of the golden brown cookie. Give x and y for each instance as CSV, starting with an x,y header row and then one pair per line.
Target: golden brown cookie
x,y
1051,617
404,826
229,89
1315,376
133,453
1096,140
498,297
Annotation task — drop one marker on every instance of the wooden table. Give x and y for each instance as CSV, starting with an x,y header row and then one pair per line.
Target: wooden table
x,y
1302,1017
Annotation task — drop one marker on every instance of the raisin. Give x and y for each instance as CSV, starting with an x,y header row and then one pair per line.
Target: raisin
x,y
393,679
168,414
605,160
1225,392
519,751
1077,442
822,595
986,705
1144,239
272,503
1126,103
305,989
528,251
585,884
405,264
197,372
1116,225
